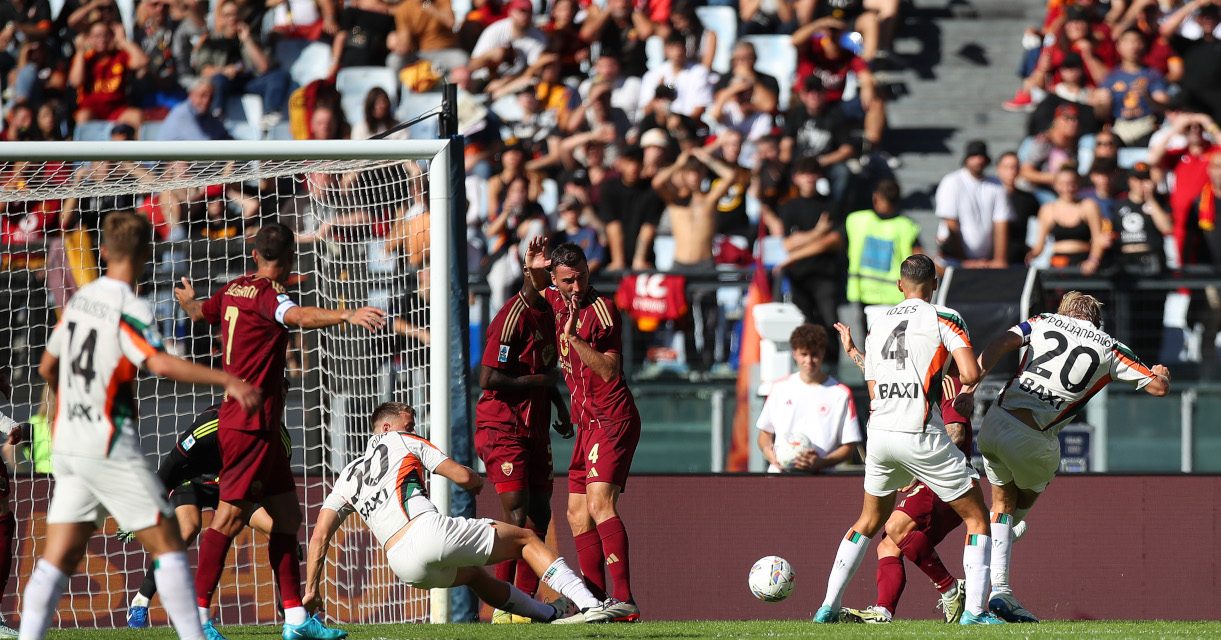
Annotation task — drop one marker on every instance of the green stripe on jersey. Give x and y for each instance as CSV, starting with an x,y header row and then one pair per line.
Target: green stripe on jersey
x,y
1123,348
135,323
953,317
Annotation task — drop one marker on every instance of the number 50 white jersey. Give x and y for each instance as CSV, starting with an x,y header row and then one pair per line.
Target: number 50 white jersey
x,y
905,354
386,485
1069,360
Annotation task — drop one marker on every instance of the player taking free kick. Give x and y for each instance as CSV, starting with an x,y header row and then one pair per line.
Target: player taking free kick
x,y
105,334
255,315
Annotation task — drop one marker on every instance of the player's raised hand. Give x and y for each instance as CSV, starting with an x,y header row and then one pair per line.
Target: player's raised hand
x,y
536,256
845,337
184,292
370,318
574,309
246,394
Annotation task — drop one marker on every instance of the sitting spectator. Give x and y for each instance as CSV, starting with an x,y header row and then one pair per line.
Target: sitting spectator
x,y
1023,206
364,27
769,183
765,17
564,38
1184,153
1144,16
873,19
19,125
1050,150
1070,90
233,61
878,242
1073,223
1201,57
624,90
820,53
481,15
814,129
1142,222
1130,94
379,115
691,210
597,114
519,221
1104,190
50,122
104,59
814,243
190,31
700,42
154,33
509,46
571,230
192,118
658,152
734,110
765,95
974,213
537,130
620,32
305,19
631,210
426,28
328,123
810,404
1097,57
513,166
692,90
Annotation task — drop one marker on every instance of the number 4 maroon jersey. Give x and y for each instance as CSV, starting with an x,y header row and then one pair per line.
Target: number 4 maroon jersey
x,y
254,341
520,342
594,400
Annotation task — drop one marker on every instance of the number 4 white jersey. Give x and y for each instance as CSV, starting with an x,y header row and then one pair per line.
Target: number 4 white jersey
x,y
386,485
905,354
105,335
1069,360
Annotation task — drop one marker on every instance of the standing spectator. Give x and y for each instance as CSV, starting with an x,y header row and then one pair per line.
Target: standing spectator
x,y
192,118
307,19
814,241
692,211
765,94
878,242
426,28
821,53
974,213
571,229
1184,153
812,404
364,27
1130,94
1203,214
813,129
564,38
624,90
1143,222
509,46
700,42
692,90
733,225
1070,90
1050,150
232,59
104,59
1201,80
631,210
1023,206
154,34
378,115
1074,224
620,32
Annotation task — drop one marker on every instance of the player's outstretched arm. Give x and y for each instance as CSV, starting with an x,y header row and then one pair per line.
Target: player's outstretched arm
x,y
1007,343
184,292
845,341
167,366
461,475
325,526
370,318
1161,381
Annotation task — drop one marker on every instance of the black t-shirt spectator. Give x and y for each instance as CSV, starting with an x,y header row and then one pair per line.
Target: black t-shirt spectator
x,y
216,52
1040,119
814,135
614,42
1201,80
633,207
366,42
761,79
1025,208
1140,247
731,218
803,214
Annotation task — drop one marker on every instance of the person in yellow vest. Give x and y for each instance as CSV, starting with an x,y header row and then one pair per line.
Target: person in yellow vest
x,y
878,241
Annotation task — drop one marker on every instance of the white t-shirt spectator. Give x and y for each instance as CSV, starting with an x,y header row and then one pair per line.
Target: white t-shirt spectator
x,y
824,413
692,87
527,48
625,95
977,205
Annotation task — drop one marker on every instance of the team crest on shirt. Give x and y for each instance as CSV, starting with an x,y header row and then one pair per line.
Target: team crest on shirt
x,y
503,356
823,409
506,468
564,345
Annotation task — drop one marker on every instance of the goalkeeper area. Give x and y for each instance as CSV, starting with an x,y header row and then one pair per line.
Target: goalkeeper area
x,y
372,221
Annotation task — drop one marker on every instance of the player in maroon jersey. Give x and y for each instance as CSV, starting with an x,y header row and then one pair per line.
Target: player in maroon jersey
x,y
255,315
608,424
519,379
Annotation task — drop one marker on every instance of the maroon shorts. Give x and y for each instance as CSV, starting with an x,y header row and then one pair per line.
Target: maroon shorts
x,y
254,465
932,516
515,461
603,453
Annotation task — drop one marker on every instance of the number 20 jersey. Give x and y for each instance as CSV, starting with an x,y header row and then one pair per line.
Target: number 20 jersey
x,y
386,485
905,354
1068,361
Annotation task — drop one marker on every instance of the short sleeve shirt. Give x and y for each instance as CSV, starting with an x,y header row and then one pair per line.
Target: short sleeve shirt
x,y
520,342
594,401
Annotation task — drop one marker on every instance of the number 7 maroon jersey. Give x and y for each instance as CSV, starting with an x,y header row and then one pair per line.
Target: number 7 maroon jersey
x,y
254,346
598,323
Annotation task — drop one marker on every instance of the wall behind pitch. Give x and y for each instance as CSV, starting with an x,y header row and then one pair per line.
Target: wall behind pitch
x,y
1098,547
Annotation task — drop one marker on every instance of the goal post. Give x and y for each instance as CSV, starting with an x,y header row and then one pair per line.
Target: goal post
x,y
376,224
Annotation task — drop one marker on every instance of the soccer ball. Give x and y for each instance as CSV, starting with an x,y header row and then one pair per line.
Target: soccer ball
x,y
790,448
772,579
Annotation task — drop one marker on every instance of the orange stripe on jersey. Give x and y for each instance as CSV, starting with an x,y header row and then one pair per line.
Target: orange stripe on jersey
x,y
415,437
511,319
125,372
1135,364
934,368
138,340
410,463
957,329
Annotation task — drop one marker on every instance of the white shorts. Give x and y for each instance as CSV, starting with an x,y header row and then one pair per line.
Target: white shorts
x,y
1015,453
436,546
894,458
89,489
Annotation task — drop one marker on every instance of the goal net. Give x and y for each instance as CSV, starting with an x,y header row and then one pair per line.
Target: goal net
x,y
371,220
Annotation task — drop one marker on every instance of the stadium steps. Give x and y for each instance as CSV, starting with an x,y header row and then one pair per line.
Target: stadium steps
x,y
960,66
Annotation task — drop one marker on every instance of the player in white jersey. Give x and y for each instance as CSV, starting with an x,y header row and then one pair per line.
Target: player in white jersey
x,y
906,353
1069,359
103,337
426,549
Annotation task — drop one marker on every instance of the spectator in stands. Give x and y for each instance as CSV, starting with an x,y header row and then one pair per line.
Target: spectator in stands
x,y
1105,189
820,53
509,46
733,225
158,83
620,32
769,183
306,19
50,122
1142,221
1074,224
1050,150
813,129
19,125
83,13
1131,92
328,123
1070,90
1097,57
1203,214
378,115
364,29
1184,153
692,89
734,111
631,210
974,213
766,17
878,242
232,59
571,229
104,59
1106,147
190,31
1201,81
564,38
519,220
537,129
1024,207
513,166
691,210
192,118
482,14
701,43
765,95
426,28
624,90
874,19
598,114
1144,16
814,243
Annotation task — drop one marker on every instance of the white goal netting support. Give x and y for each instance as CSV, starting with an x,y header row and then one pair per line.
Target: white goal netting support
x,y
373,224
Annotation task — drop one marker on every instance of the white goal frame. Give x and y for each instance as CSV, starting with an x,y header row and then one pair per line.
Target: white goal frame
x,y
438,153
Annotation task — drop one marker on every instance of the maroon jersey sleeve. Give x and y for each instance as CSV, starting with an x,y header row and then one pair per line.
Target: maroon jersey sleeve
x,y
211,307
606,337
272,303
504,344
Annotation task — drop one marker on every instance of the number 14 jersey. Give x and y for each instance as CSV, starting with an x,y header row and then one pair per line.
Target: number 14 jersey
x,y
905,354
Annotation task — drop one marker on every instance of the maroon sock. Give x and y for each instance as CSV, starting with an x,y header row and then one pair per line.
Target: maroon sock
x,y
213,548
917,548
614,547
527,580
505,569
892,577
8,527
282,553
589,556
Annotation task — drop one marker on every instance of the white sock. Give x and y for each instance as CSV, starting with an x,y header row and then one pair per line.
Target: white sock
x,y
561,578
177,588
139,600
975,566
847,560
523,605
204,614
294,615
1002,542
40,599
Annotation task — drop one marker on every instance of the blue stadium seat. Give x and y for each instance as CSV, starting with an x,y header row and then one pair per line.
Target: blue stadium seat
x,y
305,61
151,130
354,84
654,52
93,131
414,104
549,199
242,130
723,21
507,109
776,57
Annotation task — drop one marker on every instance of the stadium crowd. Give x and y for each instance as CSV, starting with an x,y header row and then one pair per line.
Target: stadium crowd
x,y
652,134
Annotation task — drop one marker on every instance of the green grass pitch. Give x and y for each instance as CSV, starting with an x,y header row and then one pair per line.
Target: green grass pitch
x,y
696,630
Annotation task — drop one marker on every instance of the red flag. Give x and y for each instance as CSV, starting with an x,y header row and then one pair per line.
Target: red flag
x,y
760,292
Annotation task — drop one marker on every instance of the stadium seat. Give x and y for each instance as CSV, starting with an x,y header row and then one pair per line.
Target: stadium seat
x,y
93,131
655,52
56,7
414,104
127,13
354,84
1129,156
549,199
281,131
507,109
461,8
723,21
252,104
777,58
151,130
242,130
312,62
663,253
